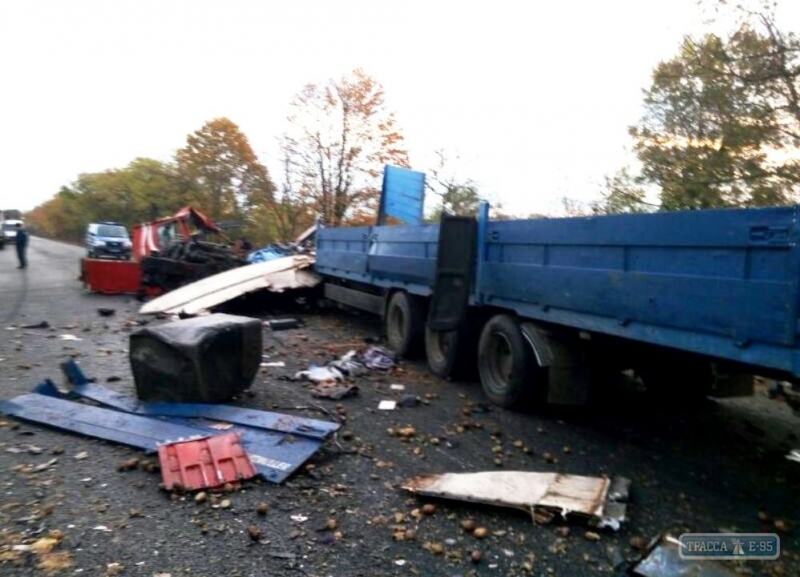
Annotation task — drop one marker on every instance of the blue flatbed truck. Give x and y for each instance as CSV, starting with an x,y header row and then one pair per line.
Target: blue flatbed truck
x,y
693,302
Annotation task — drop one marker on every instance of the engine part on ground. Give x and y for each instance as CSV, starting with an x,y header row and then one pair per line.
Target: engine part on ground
x,y
207,359
184,262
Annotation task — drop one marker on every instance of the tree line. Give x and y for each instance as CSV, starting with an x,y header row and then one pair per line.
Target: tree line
x,y
721,128
340,135
721,123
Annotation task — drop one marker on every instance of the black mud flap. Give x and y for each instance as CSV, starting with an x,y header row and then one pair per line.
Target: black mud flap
x,y
455,263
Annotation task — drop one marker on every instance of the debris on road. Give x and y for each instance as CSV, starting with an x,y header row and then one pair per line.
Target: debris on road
x,y
206,359
387,405
409,401
663,560
149,425
601,499
278,275
106,312
69,337
278,422
378,358
39,325
275,364
330,378
283,324
205,463
332,390
317,374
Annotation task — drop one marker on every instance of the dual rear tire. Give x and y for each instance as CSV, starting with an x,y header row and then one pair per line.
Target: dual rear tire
x,y
509,373
508,370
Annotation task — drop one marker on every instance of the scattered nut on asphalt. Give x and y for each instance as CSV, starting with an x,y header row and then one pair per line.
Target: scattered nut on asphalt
x,y
428,509
254,532
436,548
476,556
468,525
591,536
480,532
262,508
638,543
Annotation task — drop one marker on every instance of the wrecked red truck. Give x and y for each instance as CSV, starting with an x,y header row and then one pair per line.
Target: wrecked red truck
x,y
167,253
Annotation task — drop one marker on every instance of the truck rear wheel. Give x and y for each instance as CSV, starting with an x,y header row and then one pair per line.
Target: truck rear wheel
x,y
405,324
506,363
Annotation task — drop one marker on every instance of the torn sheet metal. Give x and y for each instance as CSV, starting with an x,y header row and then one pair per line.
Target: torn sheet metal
x,y
96,422
601,499
276,455
664,560
204,463
276,422
275,275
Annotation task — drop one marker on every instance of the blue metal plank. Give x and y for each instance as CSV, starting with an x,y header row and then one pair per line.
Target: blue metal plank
x,y
410,239
276,422
398,269
341,261
757,354
237,415
720,228
743,311
276,455
132,430
352,234
402,195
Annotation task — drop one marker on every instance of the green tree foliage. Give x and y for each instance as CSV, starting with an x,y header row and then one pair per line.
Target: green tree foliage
x,y
622,193
136,193
223,171
722,121
455,195
217,172
340,136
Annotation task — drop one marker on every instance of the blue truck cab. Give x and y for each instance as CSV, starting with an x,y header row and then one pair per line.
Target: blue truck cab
x,y
693,302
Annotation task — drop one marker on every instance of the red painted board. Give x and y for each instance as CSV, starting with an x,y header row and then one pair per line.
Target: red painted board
x,y
205,463
111,276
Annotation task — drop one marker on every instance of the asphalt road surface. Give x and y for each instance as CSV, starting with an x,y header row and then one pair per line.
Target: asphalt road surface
x,y
66,508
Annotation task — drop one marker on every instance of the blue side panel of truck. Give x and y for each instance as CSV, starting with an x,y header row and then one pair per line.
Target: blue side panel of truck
x,y
723,283
384,256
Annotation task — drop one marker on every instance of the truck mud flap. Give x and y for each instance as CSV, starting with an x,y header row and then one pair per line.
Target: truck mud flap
x,y
455,263
567,370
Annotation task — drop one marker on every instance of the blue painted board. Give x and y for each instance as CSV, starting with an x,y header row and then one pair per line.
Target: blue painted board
x,y
276,422
402,195
721,228
275,455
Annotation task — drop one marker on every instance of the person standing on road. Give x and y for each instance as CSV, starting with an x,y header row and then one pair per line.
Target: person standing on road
x,y
22,245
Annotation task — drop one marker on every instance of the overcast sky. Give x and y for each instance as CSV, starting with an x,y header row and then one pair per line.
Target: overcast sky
x,y
535,97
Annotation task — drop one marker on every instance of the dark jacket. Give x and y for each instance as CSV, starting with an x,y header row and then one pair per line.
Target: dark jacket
x,y
22,238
